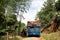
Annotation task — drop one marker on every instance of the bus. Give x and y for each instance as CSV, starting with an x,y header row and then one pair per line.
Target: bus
x,y
34,28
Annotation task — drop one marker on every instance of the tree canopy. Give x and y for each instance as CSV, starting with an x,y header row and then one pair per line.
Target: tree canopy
x,y
49,12
8,8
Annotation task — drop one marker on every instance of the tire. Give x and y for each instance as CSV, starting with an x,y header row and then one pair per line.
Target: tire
x,y
29,35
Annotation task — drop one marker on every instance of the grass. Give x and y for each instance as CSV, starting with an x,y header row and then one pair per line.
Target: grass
x,y
14,38
51,36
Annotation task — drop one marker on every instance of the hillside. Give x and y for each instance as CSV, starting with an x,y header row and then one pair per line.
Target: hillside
x,y
54,26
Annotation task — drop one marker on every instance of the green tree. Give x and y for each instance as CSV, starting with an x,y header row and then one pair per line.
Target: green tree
x,y
10,7
11,21
57,17
2,23
50,12
46,14
57,5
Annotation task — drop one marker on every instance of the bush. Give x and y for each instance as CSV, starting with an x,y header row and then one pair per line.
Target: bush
x,y
52,36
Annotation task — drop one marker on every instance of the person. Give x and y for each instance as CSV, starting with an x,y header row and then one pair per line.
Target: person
x,y
24,32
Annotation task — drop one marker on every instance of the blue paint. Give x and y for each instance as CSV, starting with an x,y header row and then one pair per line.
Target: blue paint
x,y
34,30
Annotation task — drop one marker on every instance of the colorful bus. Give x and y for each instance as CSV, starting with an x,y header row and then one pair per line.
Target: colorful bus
x,y
34,28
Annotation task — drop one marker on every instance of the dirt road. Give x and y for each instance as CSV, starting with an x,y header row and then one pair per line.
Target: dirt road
x,y
34,38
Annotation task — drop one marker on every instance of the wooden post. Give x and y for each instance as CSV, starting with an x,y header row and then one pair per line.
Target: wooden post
x,y
17,31
7,36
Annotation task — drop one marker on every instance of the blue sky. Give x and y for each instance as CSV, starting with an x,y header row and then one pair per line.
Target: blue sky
x,y
34,8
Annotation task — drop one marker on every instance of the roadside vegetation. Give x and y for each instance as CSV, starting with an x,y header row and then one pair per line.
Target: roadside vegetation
x,y
11,38
9,13
50,15
51,36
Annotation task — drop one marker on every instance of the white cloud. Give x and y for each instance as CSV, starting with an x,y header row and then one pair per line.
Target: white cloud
x,y
29,16
34,8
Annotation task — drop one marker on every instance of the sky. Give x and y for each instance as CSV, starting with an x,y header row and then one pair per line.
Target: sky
x,y
34,8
